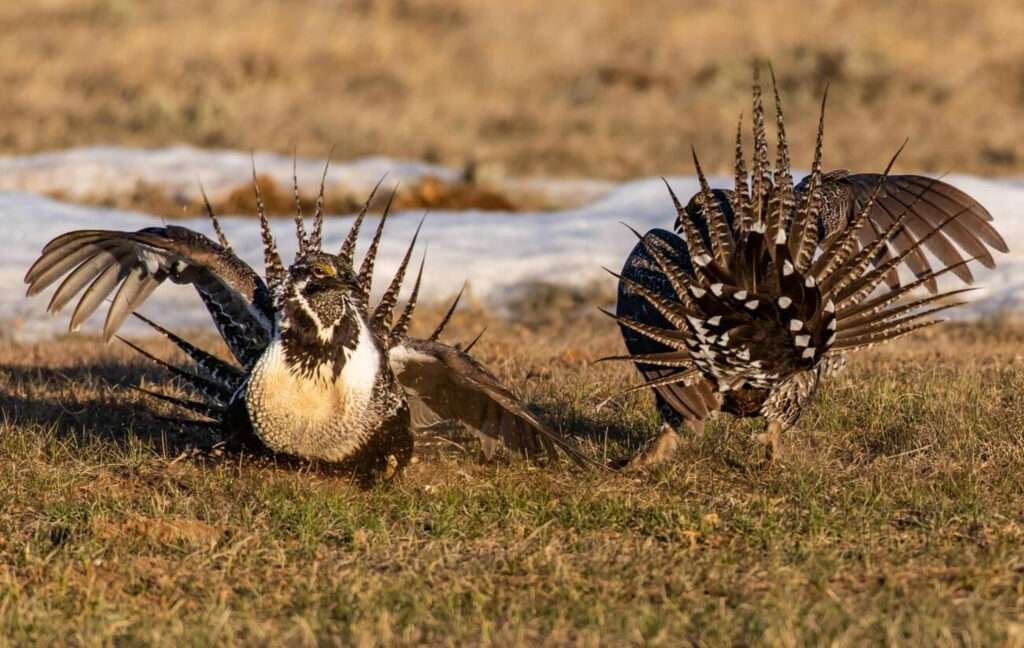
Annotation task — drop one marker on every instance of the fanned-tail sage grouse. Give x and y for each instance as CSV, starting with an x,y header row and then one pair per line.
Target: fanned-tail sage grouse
x,y
765,288
319,375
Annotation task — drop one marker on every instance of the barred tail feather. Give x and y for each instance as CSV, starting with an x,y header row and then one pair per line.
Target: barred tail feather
x,y
674,313
448,315
300,225
760,171
348,246
804,238
366,268
380,321
675,359
741,186
196,407
221,238
718,228
224,373
888,316
845,246
684,377
402,325
753,308
271,258
208,388
316,238
694,240
853,312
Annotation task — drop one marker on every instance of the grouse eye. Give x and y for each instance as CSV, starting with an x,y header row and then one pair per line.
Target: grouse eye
x,y
322,270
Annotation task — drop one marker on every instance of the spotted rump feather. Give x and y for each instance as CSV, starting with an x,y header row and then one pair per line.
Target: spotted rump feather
x,y
766,287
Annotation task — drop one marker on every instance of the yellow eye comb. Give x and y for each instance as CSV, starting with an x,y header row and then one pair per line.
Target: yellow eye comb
x,y
326,269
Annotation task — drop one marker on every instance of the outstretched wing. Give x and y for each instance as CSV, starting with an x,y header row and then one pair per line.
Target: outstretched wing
x,y
444,383
130,265
928,203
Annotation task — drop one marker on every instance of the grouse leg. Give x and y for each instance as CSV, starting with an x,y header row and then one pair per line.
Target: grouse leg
x,y
662,447
772,441
385,455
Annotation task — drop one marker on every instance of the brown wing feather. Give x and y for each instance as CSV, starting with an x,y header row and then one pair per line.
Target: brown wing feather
x,y
929,202
129,265
454,386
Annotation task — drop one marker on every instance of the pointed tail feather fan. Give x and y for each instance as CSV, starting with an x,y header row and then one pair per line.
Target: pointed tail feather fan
x,y
753,296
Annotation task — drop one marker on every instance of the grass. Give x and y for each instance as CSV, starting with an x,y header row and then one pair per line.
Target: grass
x,y
897,517
613,89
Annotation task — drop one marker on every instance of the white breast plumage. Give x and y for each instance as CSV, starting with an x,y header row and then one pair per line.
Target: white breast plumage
x,y
314,415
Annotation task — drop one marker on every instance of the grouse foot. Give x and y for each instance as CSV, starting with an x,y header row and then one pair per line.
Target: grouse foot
x,y
771,439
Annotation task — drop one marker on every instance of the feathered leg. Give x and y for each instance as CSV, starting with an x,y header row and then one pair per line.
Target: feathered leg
x,y
771,439
386,455
664,446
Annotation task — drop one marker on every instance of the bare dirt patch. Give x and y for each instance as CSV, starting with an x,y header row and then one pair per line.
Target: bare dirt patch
x,y
427,193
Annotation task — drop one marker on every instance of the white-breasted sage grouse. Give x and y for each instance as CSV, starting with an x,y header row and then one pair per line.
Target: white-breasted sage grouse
x,y
319,374
763,289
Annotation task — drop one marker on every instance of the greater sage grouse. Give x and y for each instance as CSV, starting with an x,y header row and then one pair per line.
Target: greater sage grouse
x,y
320,375
763,289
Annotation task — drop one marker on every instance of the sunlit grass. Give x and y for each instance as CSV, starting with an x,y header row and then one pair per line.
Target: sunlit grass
x,y
895,518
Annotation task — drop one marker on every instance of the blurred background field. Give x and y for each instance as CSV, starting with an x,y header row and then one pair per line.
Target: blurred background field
x,y
549,116
610,88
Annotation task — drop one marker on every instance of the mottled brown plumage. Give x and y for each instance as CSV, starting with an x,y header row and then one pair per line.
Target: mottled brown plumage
x,y
320,374
771,284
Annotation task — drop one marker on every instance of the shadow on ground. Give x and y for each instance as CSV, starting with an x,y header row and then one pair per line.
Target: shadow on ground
x,y
93,401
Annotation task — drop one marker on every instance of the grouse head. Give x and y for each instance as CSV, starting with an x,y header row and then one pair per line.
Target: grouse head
x,y
323,299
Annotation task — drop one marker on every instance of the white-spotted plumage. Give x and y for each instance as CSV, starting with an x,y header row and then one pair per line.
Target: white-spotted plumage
x,y
824,292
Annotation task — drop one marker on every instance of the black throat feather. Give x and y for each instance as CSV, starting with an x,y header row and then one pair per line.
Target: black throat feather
x,y
317,331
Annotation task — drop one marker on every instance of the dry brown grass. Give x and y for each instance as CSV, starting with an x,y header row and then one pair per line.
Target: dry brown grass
x,y
613,88
897,518
428,193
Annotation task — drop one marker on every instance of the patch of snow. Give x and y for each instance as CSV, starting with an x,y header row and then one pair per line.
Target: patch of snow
x,y
558,193
82,173
495,251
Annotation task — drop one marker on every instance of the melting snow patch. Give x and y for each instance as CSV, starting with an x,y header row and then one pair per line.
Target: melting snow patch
x,y
494,251
102,172
83,173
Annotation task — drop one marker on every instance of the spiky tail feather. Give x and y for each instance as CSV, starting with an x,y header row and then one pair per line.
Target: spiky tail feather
x,y
756,314
218,386
220,371
366,268
439,329
528,431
